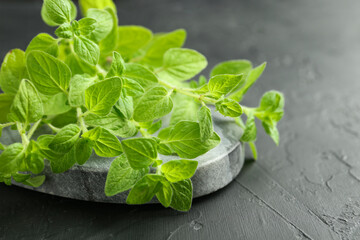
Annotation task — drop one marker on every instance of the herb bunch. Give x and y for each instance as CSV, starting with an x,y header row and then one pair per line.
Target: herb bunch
x,y
98,82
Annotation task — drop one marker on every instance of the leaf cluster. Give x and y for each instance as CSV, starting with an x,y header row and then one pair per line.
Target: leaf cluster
x,y
105,88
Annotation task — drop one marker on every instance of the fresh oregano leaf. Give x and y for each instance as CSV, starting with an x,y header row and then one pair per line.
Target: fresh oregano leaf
x,y
182,195
205,123
224,84
179,170
102,96
6,101
57,12
65,30
232,67
65,139
86,5
145,189
104,24
49,75
250,131
78,85
45,43
109,43
140,152
87,50
164,195
11,158
229,107
117,66
140,74
121,176
83,150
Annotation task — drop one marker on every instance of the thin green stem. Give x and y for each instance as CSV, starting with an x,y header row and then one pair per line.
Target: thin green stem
x,y
22,132
144,132
253,149
33,129
239,122
7,124
55,129
99,69
81,120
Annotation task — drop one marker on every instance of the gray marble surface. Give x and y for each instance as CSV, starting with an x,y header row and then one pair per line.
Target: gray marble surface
x,y
216,168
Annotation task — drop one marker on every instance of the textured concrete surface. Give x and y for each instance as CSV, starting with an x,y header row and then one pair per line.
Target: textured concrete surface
x,y
216,169
307,188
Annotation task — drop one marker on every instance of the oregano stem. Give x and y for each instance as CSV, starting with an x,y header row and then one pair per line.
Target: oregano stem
x,y
81,120
7,124
55,129
33,129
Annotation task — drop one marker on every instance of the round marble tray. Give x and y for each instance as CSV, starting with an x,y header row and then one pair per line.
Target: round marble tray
x,y
216,168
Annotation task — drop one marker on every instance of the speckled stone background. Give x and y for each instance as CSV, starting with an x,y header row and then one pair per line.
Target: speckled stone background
x,y
307,188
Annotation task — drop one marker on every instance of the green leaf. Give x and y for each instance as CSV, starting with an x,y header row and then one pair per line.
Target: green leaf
x,y
182,195
109,43
117,66
114,123
271,130
132,88
106,144
185,108
154,127
140,74
49,75
145,189
27,106
13,70
11,158
103,26
251,78
224,84
65,30
6,101
156,49
125,106
87,25
85,5
65,139
181,64
272,101
61,120
249,134
232,67
121,177
60,163
57,12
78,85
131,39
101,97
140,152
154,104
18,177
185,140
55,104
78,66
43,42
178,170
83,150
229,107
164,195
87,50
36,181
205,123
35,163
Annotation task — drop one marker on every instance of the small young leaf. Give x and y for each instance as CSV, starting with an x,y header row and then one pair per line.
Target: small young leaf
x,y
224,84
43,42
49,75
87,25
78,85
185,140
78,66
271,101
132,88
229,107
105,143
156,49
65,139
6,101
13,70
232,67
65,30
87,50
27,106
60,163
121,177
125,106
181,64
140,152
185,108
272,131
145,189
164,195
103,26
182,195
57,12
154,127
86,5
249,134
205,123
11,158
131,39
36,181
55,104
154,104
141,75
117,66
101,97
178,170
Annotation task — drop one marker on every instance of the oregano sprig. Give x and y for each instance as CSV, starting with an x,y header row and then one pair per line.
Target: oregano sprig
x,y
105,88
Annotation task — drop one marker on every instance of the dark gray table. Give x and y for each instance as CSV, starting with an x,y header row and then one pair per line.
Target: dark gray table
x,y
307,188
